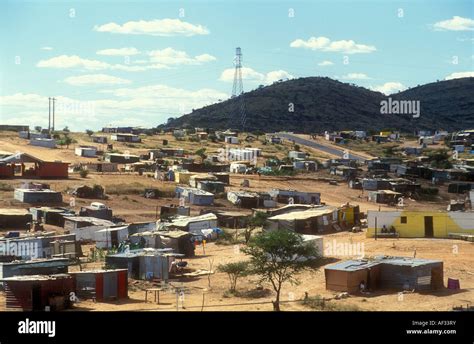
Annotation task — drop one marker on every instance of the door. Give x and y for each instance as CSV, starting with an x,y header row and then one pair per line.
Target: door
x,y
36,298
114,238
110,285
428,226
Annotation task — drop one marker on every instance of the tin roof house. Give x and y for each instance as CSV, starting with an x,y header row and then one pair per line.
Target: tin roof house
x,y
300,197
397,273
101,285
84,227
315,220
38,292
195,196
40,196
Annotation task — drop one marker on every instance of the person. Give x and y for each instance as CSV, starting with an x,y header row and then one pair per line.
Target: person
x,y
384,229
362,286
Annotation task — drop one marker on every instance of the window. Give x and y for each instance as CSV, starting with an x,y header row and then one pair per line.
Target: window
x,y
403,219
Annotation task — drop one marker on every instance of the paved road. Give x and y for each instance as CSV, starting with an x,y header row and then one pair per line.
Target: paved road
x,y
331,150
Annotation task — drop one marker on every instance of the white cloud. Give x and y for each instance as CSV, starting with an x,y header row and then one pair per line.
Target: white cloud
x,y
147,106
456,23
254,76
325,63
95,79
355,76
119,52
325,44
277,75
74,61
157,27
460,75
170,56
46,48
389,87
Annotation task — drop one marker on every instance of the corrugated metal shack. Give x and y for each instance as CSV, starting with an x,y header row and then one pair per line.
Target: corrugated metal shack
x,y
84,226
34,246
110,237
212,186
311,221
15,219
195,196
102,285
34,293
38,196
51,215
384,196
301,197
34,267
143,264
243,199
230,219
399,273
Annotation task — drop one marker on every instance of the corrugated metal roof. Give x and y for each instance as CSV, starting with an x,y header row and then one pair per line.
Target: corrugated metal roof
x,y
305,214
354,265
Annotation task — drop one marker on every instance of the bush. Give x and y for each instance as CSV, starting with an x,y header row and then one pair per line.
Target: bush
x,y
319,303
83,173
234,271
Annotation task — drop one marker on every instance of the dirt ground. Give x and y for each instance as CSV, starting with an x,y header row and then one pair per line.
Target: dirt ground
x,y
458,256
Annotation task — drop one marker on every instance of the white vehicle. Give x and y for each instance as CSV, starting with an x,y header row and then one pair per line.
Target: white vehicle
x,y
98,205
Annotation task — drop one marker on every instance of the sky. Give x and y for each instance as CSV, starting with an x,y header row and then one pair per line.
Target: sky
x,y
141,62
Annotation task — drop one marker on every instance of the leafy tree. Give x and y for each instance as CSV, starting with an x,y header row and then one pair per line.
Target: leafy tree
x,y
83,173
38,128
258,220
89,132
276,256
201,152
66,129
67,140
234,271
439,158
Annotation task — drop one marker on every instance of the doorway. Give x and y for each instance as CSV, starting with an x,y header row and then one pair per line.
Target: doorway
x,y
429,226
36,298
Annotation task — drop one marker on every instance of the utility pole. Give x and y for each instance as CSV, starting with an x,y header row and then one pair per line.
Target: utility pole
x,y
49,115
54,114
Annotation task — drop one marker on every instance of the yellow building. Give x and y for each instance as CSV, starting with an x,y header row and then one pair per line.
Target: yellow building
x,y
421,224
182,177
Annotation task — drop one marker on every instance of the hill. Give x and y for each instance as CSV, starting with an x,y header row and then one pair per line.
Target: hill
x,y
320,104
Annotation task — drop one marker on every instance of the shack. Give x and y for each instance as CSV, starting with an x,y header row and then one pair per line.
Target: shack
x,y
211,186
125,137
384,196
38,292
191,223
51,215
144,264
42,266
243,199
15,218
300,197
396,273
108,238
312,221
101,285
44,196
86,151
121,158
195,196
84,226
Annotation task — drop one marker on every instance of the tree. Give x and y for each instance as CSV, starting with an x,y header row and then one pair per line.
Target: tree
x,y
83,173
89,132
439,158
234,271
66,129
201,152
276,256
67,140
38,128
258,220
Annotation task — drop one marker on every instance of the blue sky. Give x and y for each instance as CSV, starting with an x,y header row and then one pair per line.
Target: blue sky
x,y
140,62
